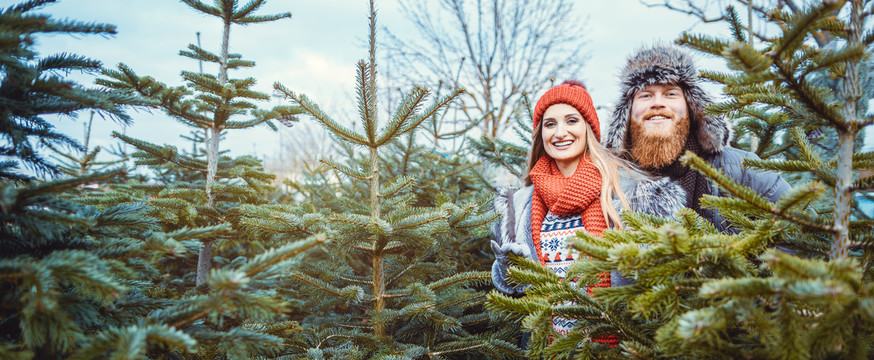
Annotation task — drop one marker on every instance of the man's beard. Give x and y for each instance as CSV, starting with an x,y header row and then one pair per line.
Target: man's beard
x,y
654,148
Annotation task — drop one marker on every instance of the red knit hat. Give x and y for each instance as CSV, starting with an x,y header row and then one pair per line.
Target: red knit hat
x,y
573,93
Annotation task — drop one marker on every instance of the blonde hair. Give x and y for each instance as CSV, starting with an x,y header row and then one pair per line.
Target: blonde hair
x,y
606,163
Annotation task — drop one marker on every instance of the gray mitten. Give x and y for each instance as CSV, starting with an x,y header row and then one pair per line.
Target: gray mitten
x,y
499,268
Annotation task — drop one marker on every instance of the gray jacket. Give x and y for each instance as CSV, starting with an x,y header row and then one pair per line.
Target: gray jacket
x,y
512,233
768,184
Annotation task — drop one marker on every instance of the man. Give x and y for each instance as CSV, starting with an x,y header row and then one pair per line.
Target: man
x,y
660,115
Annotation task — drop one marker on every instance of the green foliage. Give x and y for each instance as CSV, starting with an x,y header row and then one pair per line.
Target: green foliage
x,y
778,285
98,265
32,87
512,157
406,223
370,256
212,104
70,271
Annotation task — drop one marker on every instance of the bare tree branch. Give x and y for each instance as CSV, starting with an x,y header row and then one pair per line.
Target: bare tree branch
x,y
494,49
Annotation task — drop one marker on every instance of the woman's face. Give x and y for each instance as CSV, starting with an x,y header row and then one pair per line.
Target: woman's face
x,y
564,136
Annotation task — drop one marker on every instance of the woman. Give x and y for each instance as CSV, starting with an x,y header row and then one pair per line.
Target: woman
x,y
573,184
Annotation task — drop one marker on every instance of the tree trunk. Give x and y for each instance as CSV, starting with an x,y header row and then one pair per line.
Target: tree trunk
x,y
851,92
754,140
204,258
378,260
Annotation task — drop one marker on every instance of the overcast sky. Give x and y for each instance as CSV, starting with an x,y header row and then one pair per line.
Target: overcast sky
x,y
314,52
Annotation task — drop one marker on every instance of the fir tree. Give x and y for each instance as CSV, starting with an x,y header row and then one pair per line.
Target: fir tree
x,y
395,282
33,87
212,104
105,274
72,275
84,161
702,294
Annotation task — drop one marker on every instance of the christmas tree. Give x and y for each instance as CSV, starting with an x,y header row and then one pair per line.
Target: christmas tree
x,y
406,226
68,270
108,273
699,293
33,87
211,104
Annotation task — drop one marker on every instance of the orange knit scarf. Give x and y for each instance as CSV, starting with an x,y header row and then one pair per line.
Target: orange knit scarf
x,y
580,193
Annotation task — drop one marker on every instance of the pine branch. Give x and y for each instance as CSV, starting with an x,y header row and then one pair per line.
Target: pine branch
x,y
800,196
272,257
397,185
744,57
747,195
58,186
432,110
703,43
314,110
405,111
470,278
198,53
155,155
801,25
828,58
346,170
780,165
367,102
504,304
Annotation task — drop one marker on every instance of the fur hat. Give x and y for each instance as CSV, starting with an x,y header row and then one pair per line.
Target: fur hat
x,y
573,93
666,64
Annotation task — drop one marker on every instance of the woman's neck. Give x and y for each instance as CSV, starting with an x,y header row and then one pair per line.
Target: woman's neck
x,y
568,167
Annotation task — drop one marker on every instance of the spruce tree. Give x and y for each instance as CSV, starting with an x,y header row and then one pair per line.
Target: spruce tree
x,y
210,103
105,274
406,228
699,293
68,270
33,87
84,161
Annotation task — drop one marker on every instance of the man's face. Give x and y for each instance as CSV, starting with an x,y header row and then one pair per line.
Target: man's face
x,y
659,125
658,108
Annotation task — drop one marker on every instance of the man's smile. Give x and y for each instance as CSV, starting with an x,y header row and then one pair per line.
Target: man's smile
x,y
657,119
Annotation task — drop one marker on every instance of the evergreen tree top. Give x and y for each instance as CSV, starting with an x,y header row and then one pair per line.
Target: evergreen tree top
x,y
32,88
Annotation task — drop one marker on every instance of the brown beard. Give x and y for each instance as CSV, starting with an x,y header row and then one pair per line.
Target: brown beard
x,y
654,150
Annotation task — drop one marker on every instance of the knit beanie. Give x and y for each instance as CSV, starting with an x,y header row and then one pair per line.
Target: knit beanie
x,y
573,93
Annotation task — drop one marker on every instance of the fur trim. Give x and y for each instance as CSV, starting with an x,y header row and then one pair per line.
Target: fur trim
x,y
659,196
666,64
512,232
503,229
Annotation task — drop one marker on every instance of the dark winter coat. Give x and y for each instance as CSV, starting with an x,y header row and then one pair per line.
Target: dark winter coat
x,y
668,64
512,233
